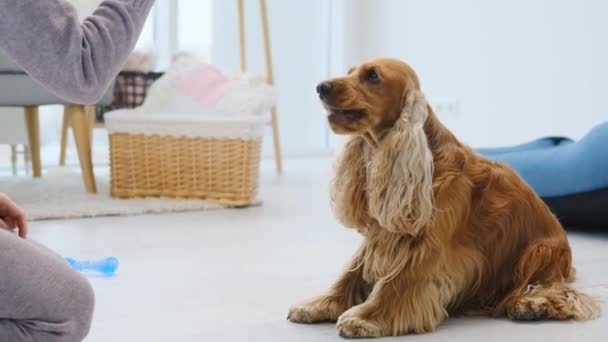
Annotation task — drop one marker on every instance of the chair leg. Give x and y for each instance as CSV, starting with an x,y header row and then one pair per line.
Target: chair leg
x,y
33,134
82,135
90,110
65,125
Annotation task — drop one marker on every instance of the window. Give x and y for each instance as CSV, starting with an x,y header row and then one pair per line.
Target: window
x,y
182,26
146,39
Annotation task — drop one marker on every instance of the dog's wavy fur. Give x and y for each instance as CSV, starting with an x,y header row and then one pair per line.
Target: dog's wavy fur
x,y
445,230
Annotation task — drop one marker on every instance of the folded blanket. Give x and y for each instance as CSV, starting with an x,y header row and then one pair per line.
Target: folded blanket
x,y
191,87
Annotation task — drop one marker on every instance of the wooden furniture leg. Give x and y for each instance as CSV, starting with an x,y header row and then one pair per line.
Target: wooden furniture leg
x,y
90,113
278,159
65,125
33,134
81,129
270,78
90,110
274,121
242,39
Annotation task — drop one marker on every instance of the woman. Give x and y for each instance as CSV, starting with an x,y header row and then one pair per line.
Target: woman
x,y
41,298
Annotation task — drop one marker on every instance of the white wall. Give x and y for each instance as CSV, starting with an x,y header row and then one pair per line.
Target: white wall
x,y
85,7
299,45
519,69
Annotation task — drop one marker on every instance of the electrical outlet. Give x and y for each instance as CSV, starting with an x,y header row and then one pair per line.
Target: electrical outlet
x,y
448,110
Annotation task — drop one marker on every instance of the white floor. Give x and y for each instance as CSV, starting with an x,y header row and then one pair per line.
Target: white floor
x,y
231,275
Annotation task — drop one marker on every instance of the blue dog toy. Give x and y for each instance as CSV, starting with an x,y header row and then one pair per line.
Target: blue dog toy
x,y
105,266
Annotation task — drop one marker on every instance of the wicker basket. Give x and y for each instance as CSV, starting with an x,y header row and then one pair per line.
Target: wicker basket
x,y
181,156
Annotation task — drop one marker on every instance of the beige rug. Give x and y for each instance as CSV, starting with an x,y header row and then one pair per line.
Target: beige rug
x,y
60,194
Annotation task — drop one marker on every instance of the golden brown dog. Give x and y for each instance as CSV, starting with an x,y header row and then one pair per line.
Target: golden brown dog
x,y
446,231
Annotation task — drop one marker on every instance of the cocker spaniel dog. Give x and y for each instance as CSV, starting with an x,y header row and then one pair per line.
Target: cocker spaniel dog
x,y
446,231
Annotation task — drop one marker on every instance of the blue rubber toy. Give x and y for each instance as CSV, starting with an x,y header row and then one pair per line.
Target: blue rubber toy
x,y
107,266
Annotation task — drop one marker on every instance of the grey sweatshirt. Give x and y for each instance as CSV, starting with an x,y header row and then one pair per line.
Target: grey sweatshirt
x,y
76,61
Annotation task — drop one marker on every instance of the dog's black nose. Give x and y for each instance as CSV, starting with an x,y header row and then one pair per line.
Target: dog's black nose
x,y
324,89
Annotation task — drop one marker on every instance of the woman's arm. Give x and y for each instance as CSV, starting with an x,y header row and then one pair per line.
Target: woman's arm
x,y
76,61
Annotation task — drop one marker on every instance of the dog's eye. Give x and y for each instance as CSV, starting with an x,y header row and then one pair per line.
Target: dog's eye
x,y
372,76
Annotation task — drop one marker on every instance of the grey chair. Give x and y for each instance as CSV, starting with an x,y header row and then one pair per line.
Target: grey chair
x,y
17,89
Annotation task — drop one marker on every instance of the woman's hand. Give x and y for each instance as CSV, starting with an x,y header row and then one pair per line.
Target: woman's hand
x,y
12,217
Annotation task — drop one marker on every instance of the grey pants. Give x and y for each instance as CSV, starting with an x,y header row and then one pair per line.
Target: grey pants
x,y
41,298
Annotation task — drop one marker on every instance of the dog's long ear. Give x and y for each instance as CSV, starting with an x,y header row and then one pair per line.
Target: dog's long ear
x,y
348,190
400,172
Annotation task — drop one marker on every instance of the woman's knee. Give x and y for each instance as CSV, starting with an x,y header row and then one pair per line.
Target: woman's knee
x,y
70,320
59,299
74,308
71,299
81,309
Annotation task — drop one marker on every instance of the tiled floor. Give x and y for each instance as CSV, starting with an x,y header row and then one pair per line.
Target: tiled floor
x,y
231,275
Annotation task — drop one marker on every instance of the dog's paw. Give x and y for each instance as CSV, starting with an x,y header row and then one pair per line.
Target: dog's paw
x,y
313,311
352,326
529,309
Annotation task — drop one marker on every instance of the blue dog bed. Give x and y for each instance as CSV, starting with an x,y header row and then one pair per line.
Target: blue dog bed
x,y
572,177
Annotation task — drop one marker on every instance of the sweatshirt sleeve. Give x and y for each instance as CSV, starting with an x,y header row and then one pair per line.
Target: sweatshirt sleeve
x,y
76,61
